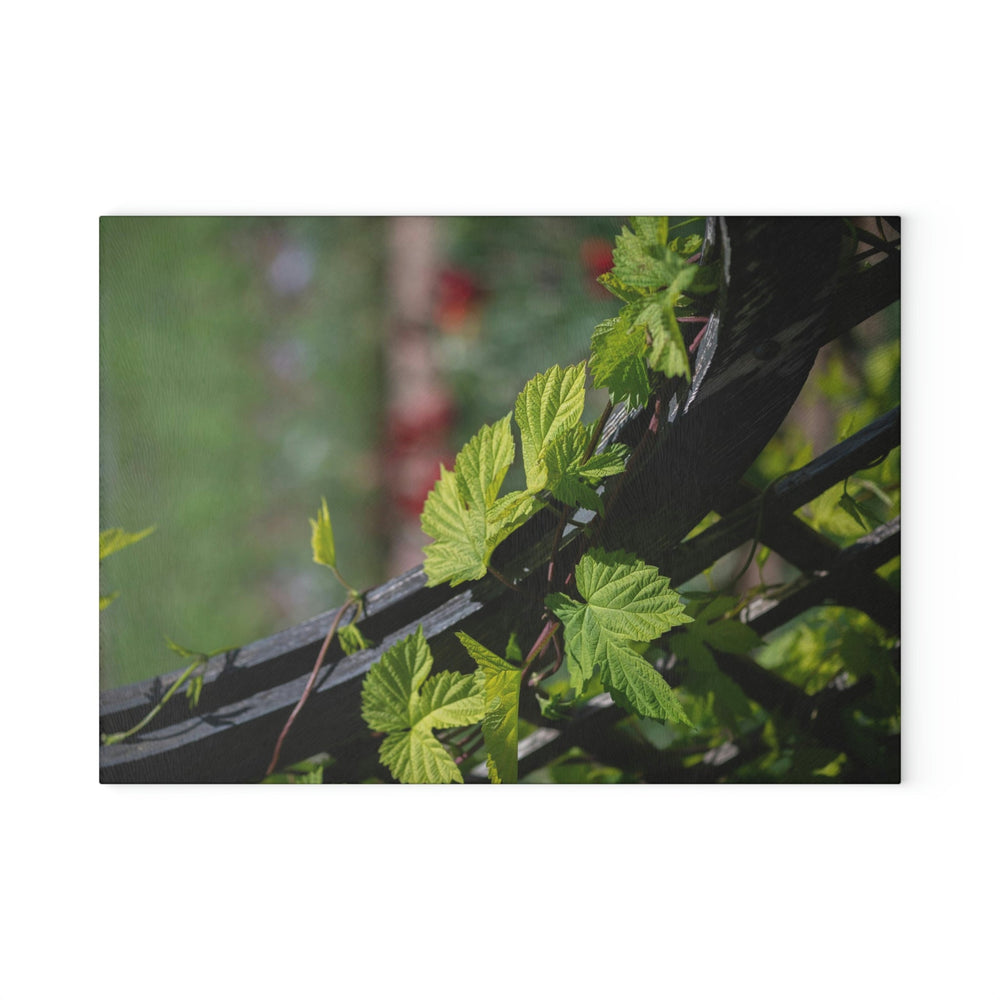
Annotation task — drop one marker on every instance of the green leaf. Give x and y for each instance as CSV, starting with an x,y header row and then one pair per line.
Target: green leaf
x,y
507,514
652,230
193,691
686,246
482,464
551,402
641,262
501,692
458,551
625,601
618,288
417,757
848,503
462,513
652,276
194,654
106,599
351,640
553,708
182,651
399,698
569,477
115,539
694,644
667,352
513,651
324,551
390,692
638,688
616,359
730,636
704,678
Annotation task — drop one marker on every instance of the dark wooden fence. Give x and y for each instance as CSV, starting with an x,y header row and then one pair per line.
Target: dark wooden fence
x,y
784,296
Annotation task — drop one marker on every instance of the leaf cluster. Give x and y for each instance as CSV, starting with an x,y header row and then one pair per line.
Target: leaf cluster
x,y
656,278
401,699
623,602
465,514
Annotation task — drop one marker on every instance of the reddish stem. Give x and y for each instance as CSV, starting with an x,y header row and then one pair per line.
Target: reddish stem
x,y
541,643
309,685
535,681
697,339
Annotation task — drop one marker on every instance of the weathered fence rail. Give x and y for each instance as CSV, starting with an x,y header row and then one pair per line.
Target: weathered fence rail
x,y
783,299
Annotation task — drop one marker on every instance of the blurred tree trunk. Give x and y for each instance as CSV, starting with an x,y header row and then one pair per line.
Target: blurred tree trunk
x,y
419,411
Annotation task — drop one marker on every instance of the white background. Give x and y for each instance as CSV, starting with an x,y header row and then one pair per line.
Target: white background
x,y
448,108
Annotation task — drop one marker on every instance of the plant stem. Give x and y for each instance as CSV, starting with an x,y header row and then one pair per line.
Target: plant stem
x,y
351,602
475,745
540,645
118,737
595,438
552,668
507,583
698,336
458,741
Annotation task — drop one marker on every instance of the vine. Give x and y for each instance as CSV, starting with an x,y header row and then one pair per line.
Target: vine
x,y
349,635
610,603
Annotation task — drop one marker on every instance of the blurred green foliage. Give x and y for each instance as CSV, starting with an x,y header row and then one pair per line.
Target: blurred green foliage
x,y
241,380
232,396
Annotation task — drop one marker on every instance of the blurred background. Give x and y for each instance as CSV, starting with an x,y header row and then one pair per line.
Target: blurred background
x,y
251,366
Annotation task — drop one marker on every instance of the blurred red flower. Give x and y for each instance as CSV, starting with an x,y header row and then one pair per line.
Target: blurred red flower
x,y
595,256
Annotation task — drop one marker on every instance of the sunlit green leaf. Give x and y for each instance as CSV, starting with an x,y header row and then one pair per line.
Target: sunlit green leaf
x,y
638,262
195,654
351,640
667,353
637,687
193,691
624,601
462,513
501,691
573,480
115,539
324,551
616,358
618,288
549,403
401,699
686,246
480,467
